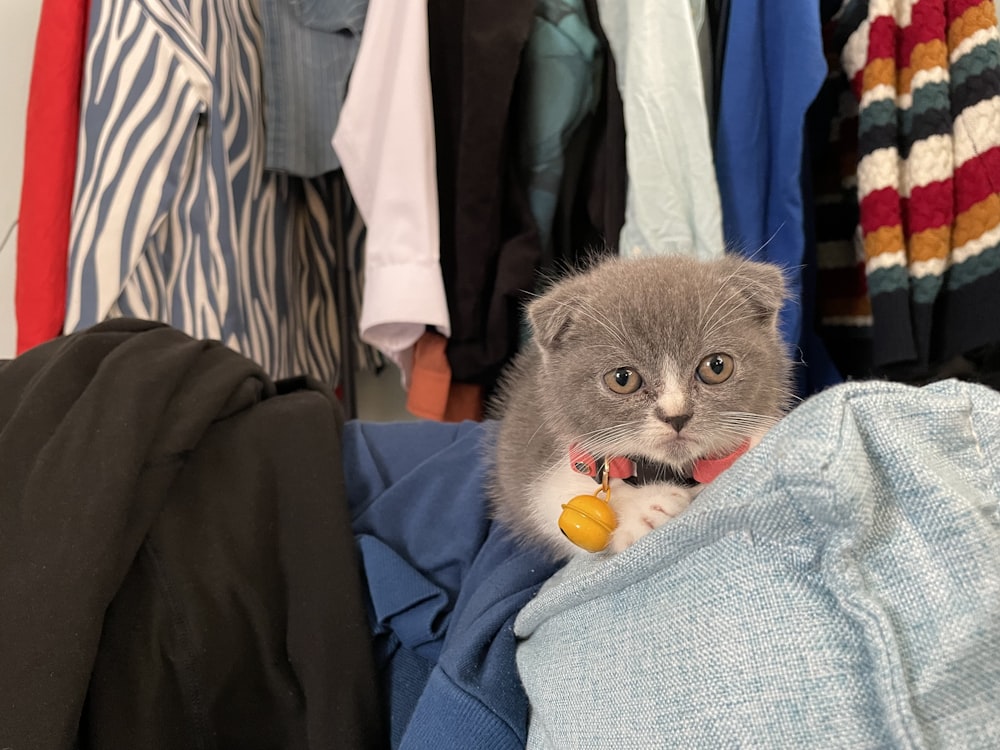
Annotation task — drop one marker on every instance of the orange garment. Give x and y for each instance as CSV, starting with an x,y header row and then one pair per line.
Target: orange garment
x,y
432,393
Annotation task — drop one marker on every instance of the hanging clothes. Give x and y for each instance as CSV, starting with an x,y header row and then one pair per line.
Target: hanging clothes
x,y
174,217
489,242
772,71
432,393
385,141
843,315
50,141
718,17
557,87
595,203
927,76
672,204
309,51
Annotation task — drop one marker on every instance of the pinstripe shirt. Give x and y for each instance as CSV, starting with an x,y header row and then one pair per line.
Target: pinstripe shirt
x,y
174,217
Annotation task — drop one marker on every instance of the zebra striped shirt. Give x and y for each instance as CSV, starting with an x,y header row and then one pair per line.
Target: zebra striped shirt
x,y
174,217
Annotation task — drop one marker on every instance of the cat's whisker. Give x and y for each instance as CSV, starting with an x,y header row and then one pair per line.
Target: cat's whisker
x,y
604,432
744,260
742,424
535,433
606,443
722,306
753,414
751,426
625,327
727,317
743,309
622,330
747,422
600,441
748,418
596,442
600,347
786,395
597,318
767,242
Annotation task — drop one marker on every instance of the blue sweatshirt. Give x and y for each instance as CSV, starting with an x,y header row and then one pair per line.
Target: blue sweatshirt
x,y
444,582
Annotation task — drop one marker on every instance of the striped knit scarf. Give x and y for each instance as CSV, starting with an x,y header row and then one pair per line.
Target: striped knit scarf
x,y
927,76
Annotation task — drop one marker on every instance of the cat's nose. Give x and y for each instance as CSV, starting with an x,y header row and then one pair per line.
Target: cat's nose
x,y
677,422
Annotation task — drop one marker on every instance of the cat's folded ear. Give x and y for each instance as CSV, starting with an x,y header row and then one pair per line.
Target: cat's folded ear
x,y
551,315
763,285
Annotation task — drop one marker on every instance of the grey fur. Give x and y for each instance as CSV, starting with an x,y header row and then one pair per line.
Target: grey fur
x,y
641,313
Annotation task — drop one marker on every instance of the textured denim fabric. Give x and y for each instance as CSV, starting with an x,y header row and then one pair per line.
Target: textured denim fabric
x,y
309,52
839,587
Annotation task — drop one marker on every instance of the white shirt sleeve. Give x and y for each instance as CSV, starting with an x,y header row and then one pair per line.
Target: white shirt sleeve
x,y
385,142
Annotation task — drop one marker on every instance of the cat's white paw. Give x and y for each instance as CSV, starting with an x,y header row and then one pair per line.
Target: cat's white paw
x,y
642,509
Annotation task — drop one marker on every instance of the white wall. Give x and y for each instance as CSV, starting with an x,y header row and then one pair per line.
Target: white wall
x,y
18,24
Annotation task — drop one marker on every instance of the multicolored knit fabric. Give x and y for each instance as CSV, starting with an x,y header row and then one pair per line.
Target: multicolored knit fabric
x,y
927,76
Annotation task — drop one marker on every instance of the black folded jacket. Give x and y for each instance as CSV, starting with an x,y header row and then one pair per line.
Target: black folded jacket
x,y
177,568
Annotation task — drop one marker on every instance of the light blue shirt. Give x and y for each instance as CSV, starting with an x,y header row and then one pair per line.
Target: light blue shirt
x,y
672,203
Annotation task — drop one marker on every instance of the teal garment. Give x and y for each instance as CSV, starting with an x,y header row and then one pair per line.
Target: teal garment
x,y
672,204
559,85
838,587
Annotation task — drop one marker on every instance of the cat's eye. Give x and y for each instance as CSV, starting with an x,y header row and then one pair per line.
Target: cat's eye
x,y
715,369
624,380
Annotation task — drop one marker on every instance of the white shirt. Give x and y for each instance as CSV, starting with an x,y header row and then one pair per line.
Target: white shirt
x,y
385,142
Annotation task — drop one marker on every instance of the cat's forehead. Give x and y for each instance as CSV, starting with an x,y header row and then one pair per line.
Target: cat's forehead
x,y
675,316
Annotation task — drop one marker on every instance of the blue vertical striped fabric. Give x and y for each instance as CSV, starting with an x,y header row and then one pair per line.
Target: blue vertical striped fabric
x,y
309,51
174,216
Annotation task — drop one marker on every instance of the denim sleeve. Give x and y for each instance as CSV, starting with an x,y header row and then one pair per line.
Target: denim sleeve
x,y
838,587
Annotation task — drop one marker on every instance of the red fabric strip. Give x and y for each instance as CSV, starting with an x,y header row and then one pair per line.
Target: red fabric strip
x,y
882,39
880,208
927,23
977,179
928,207
53,121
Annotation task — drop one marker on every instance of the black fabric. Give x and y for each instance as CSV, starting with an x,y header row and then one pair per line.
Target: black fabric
x,y
177,568
923,126
605,180
718,18
892,334
974,89
878,137
490,248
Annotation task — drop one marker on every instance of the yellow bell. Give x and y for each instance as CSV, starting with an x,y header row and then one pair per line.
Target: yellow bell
x,y
587,521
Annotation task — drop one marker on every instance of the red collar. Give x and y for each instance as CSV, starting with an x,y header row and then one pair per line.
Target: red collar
x,y
644,472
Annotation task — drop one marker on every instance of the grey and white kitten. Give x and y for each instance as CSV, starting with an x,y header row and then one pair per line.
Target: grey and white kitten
x,y
665,359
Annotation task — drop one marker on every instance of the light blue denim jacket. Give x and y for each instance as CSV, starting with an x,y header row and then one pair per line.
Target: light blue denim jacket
x,y
839,587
